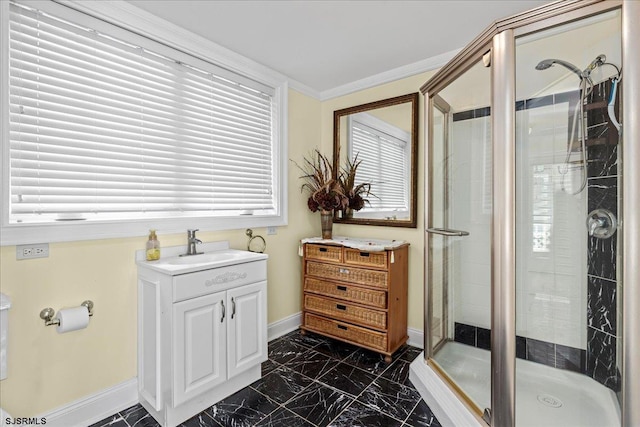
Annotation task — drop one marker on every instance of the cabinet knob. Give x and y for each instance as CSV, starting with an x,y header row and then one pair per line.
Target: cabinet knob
x,y
224,311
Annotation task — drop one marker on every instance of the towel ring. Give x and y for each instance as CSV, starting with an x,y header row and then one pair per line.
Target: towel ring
x,y
256,243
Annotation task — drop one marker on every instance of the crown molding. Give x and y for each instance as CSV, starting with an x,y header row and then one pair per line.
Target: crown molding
x,y
402,72
304,89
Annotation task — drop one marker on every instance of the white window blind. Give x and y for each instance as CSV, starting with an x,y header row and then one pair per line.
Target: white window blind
x,y
385,161
103,129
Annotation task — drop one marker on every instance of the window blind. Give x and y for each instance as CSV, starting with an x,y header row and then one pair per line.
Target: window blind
x,y
101,128
384,165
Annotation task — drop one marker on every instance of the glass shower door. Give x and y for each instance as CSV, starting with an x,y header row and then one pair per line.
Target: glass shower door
x,y
439,268
459,233
567,367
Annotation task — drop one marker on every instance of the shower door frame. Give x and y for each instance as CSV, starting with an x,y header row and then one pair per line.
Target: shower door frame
x,y
441,105
499,39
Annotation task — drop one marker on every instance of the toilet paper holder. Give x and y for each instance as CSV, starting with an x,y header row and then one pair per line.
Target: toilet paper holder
x,y
47,314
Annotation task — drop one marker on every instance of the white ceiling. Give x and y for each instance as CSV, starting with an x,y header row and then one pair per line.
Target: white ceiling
x,y
326,45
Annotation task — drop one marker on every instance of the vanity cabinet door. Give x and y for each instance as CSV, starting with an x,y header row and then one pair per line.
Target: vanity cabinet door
x,y
199,350
247,327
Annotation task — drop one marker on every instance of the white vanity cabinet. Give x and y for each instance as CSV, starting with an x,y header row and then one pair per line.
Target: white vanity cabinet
x,y
202,335
200,346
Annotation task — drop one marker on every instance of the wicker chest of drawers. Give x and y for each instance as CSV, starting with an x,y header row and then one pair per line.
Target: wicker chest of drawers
x,y
356,296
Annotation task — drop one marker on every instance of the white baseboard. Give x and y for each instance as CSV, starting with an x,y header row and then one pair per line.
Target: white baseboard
x,y
416,337
96,407
284,326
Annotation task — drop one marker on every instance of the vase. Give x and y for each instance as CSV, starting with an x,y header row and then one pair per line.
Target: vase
x,y
347,213
326,220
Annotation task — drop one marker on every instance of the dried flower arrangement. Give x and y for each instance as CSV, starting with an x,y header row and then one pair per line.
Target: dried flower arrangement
x,y
325,192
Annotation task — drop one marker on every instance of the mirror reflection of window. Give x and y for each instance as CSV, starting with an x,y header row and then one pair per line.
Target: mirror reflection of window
x,y
384,135
385,153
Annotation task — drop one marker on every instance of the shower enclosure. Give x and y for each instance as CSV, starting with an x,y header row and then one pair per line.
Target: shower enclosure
x,y
531,303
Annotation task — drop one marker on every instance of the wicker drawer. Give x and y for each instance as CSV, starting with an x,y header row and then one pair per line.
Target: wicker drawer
x,y
348,312
346,292
360,276
360,336
366,259
324,252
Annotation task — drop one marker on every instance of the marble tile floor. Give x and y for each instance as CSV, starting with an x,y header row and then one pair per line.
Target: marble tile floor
x,y
313,381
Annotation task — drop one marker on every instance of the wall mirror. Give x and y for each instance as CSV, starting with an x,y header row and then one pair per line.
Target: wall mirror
x,y
384,137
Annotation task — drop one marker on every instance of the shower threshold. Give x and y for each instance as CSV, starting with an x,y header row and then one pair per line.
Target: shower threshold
x,y
545,396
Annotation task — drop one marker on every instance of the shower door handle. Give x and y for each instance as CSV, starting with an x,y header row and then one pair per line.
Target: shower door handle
x,y
447,232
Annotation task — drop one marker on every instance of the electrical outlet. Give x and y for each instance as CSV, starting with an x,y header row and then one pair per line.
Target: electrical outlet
x,y
271,231
39,250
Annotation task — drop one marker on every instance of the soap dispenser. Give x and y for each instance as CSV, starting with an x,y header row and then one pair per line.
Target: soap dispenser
x,y
153,246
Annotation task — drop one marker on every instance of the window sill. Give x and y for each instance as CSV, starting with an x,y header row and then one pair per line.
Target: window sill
x,y
20,234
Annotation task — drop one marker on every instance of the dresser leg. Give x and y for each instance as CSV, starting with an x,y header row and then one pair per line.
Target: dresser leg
x,y
303,332
388,359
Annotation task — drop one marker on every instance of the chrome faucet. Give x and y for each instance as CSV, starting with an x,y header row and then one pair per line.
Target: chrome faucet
x,y
191,243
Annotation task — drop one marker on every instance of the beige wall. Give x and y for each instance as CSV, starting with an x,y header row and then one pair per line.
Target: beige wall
x,y
415,236
48,370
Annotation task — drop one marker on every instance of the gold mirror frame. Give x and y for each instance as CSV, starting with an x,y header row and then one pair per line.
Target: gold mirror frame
x,y
412,99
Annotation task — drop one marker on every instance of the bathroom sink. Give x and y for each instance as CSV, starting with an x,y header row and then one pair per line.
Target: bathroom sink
x,y
175,265
216,257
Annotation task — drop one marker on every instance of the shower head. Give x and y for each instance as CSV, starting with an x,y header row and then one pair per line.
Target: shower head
x,y
547,63
598,61
544,64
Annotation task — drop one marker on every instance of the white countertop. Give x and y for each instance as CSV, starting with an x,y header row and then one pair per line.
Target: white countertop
x,y
215,255
371,245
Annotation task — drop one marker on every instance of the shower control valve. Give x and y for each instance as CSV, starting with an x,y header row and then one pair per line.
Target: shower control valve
x,y
601,223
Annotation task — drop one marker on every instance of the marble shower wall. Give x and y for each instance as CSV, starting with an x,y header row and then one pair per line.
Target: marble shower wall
x,y
544,352
602,278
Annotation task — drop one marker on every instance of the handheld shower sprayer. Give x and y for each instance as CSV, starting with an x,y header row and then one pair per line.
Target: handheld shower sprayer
x,y
584,74
547,63
586,86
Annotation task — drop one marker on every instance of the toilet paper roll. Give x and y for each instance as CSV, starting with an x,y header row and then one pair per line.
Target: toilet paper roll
x,y
72,319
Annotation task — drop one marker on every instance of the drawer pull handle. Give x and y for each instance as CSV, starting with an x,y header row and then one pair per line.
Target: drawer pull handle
x,y
233,307
341,307
224,311
365,254
344,328
341,288
322,249
344,271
